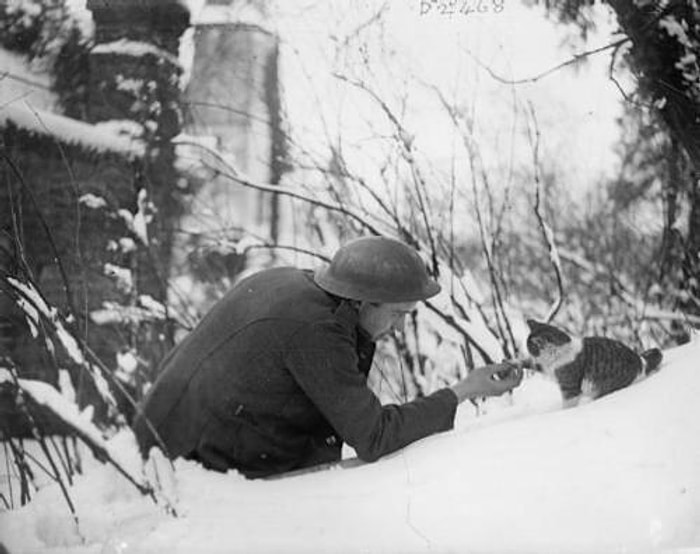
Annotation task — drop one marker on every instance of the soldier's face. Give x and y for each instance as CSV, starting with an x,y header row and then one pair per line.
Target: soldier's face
x,y
380,319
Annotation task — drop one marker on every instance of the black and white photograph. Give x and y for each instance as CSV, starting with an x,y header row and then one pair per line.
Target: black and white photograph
x,y
349,276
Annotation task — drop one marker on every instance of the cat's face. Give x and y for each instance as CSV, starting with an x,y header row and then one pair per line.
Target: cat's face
x,y
547,345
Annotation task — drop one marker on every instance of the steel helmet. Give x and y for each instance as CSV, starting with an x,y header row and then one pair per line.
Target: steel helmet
x,y
377,269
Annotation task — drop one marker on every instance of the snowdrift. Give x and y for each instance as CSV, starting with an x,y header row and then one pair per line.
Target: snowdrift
x,y
620,474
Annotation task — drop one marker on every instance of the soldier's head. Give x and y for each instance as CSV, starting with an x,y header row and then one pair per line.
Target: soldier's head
x,y
384,276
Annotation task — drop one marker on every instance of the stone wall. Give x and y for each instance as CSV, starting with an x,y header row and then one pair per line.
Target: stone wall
x,y
68,245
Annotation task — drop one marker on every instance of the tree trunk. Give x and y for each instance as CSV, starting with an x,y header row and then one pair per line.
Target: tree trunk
x,y
663,43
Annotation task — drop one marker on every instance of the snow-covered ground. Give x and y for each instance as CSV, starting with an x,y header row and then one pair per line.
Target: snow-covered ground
x,y
621,474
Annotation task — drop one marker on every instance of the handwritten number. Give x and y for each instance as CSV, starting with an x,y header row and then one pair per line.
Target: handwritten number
x,y
465,7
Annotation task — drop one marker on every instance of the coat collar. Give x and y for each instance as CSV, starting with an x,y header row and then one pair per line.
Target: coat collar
x,y
365,346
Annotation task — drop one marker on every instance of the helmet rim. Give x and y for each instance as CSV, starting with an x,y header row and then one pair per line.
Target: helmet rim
x,y
377,269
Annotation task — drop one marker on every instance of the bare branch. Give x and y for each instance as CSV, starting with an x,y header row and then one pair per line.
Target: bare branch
x,y
365,24
547,234
452,322
23,80
573,60
227,170
477,168
406,141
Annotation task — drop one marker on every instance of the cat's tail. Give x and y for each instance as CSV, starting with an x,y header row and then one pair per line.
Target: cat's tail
x,y
652,359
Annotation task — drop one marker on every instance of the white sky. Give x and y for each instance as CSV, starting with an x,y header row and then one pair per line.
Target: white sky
x,y
576,109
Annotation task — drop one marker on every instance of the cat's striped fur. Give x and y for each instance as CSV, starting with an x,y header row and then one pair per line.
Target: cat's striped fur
x,y
588,368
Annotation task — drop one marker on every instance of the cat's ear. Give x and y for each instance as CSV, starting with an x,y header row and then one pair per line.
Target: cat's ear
x,y
532,324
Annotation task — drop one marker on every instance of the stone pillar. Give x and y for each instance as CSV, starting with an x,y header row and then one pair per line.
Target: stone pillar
x,y
135,76
233,99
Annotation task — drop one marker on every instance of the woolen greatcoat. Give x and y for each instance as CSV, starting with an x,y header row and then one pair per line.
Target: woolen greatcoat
x,y
274,378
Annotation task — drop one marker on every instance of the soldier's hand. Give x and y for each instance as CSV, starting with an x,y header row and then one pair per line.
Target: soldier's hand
x,y
489,380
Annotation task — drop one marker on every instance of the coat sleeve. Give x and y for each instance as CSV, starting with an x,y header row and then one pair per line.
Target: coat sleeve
x,y
323,360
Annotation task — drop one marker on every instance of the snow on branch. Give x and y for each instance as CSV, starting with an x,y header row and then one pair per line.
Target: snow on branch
x,y
36,310
146,309
43,394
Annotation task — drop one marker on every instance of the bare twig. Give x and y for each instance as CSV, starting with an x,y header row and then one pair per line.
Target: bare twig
x,y
24,471
573,60
547,234
376,16
228,171
406,141
8,474
45,227
23,80
39,436
452,322
476,168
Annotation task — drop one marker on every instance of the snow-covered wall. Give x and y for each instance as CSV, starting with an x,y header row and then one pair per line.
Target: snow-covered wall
x,y
115,137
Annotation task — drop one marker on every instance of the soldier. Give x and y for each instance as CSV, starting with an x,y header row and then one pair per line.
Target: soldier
x,y
274,377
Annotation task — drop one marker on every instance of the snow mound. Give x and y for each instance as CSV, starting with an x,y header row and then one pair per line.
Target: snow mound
x,y
618,474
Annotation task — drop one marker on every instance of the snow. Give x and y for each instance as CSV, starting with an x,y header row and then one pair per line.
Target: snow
x,y
19,82
126,47
145,309
616,475
92,201
122,276
238,13
33,304
46,395
70,131
26,101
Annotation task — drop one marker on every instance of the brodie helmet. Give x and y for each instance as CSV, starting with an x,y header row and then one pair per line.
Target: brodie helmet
x,y
377,269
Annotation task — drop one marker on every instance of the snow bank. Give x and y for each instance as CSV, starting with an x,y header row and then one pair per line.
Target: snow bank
x,y
619,474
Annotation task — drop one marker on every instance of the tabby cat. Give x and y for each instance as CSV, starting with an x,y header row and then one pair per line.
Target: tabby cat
x,y
590,367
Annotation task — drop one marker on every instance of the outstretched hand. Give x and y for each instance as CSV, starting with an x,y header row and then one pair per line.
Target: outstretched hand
x,y
489,380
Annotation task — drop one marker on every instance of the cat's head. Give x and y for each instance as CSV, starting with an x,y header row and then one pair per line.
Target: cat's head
x,y
544,337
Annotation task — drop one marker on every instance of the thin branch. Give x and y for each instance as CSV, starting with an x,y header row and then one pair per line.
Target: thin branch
x,y
47,231
370,20
8,475
547,233
39,436
23,80
230,172
406,141
475,167
573,60
457,327
77,233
